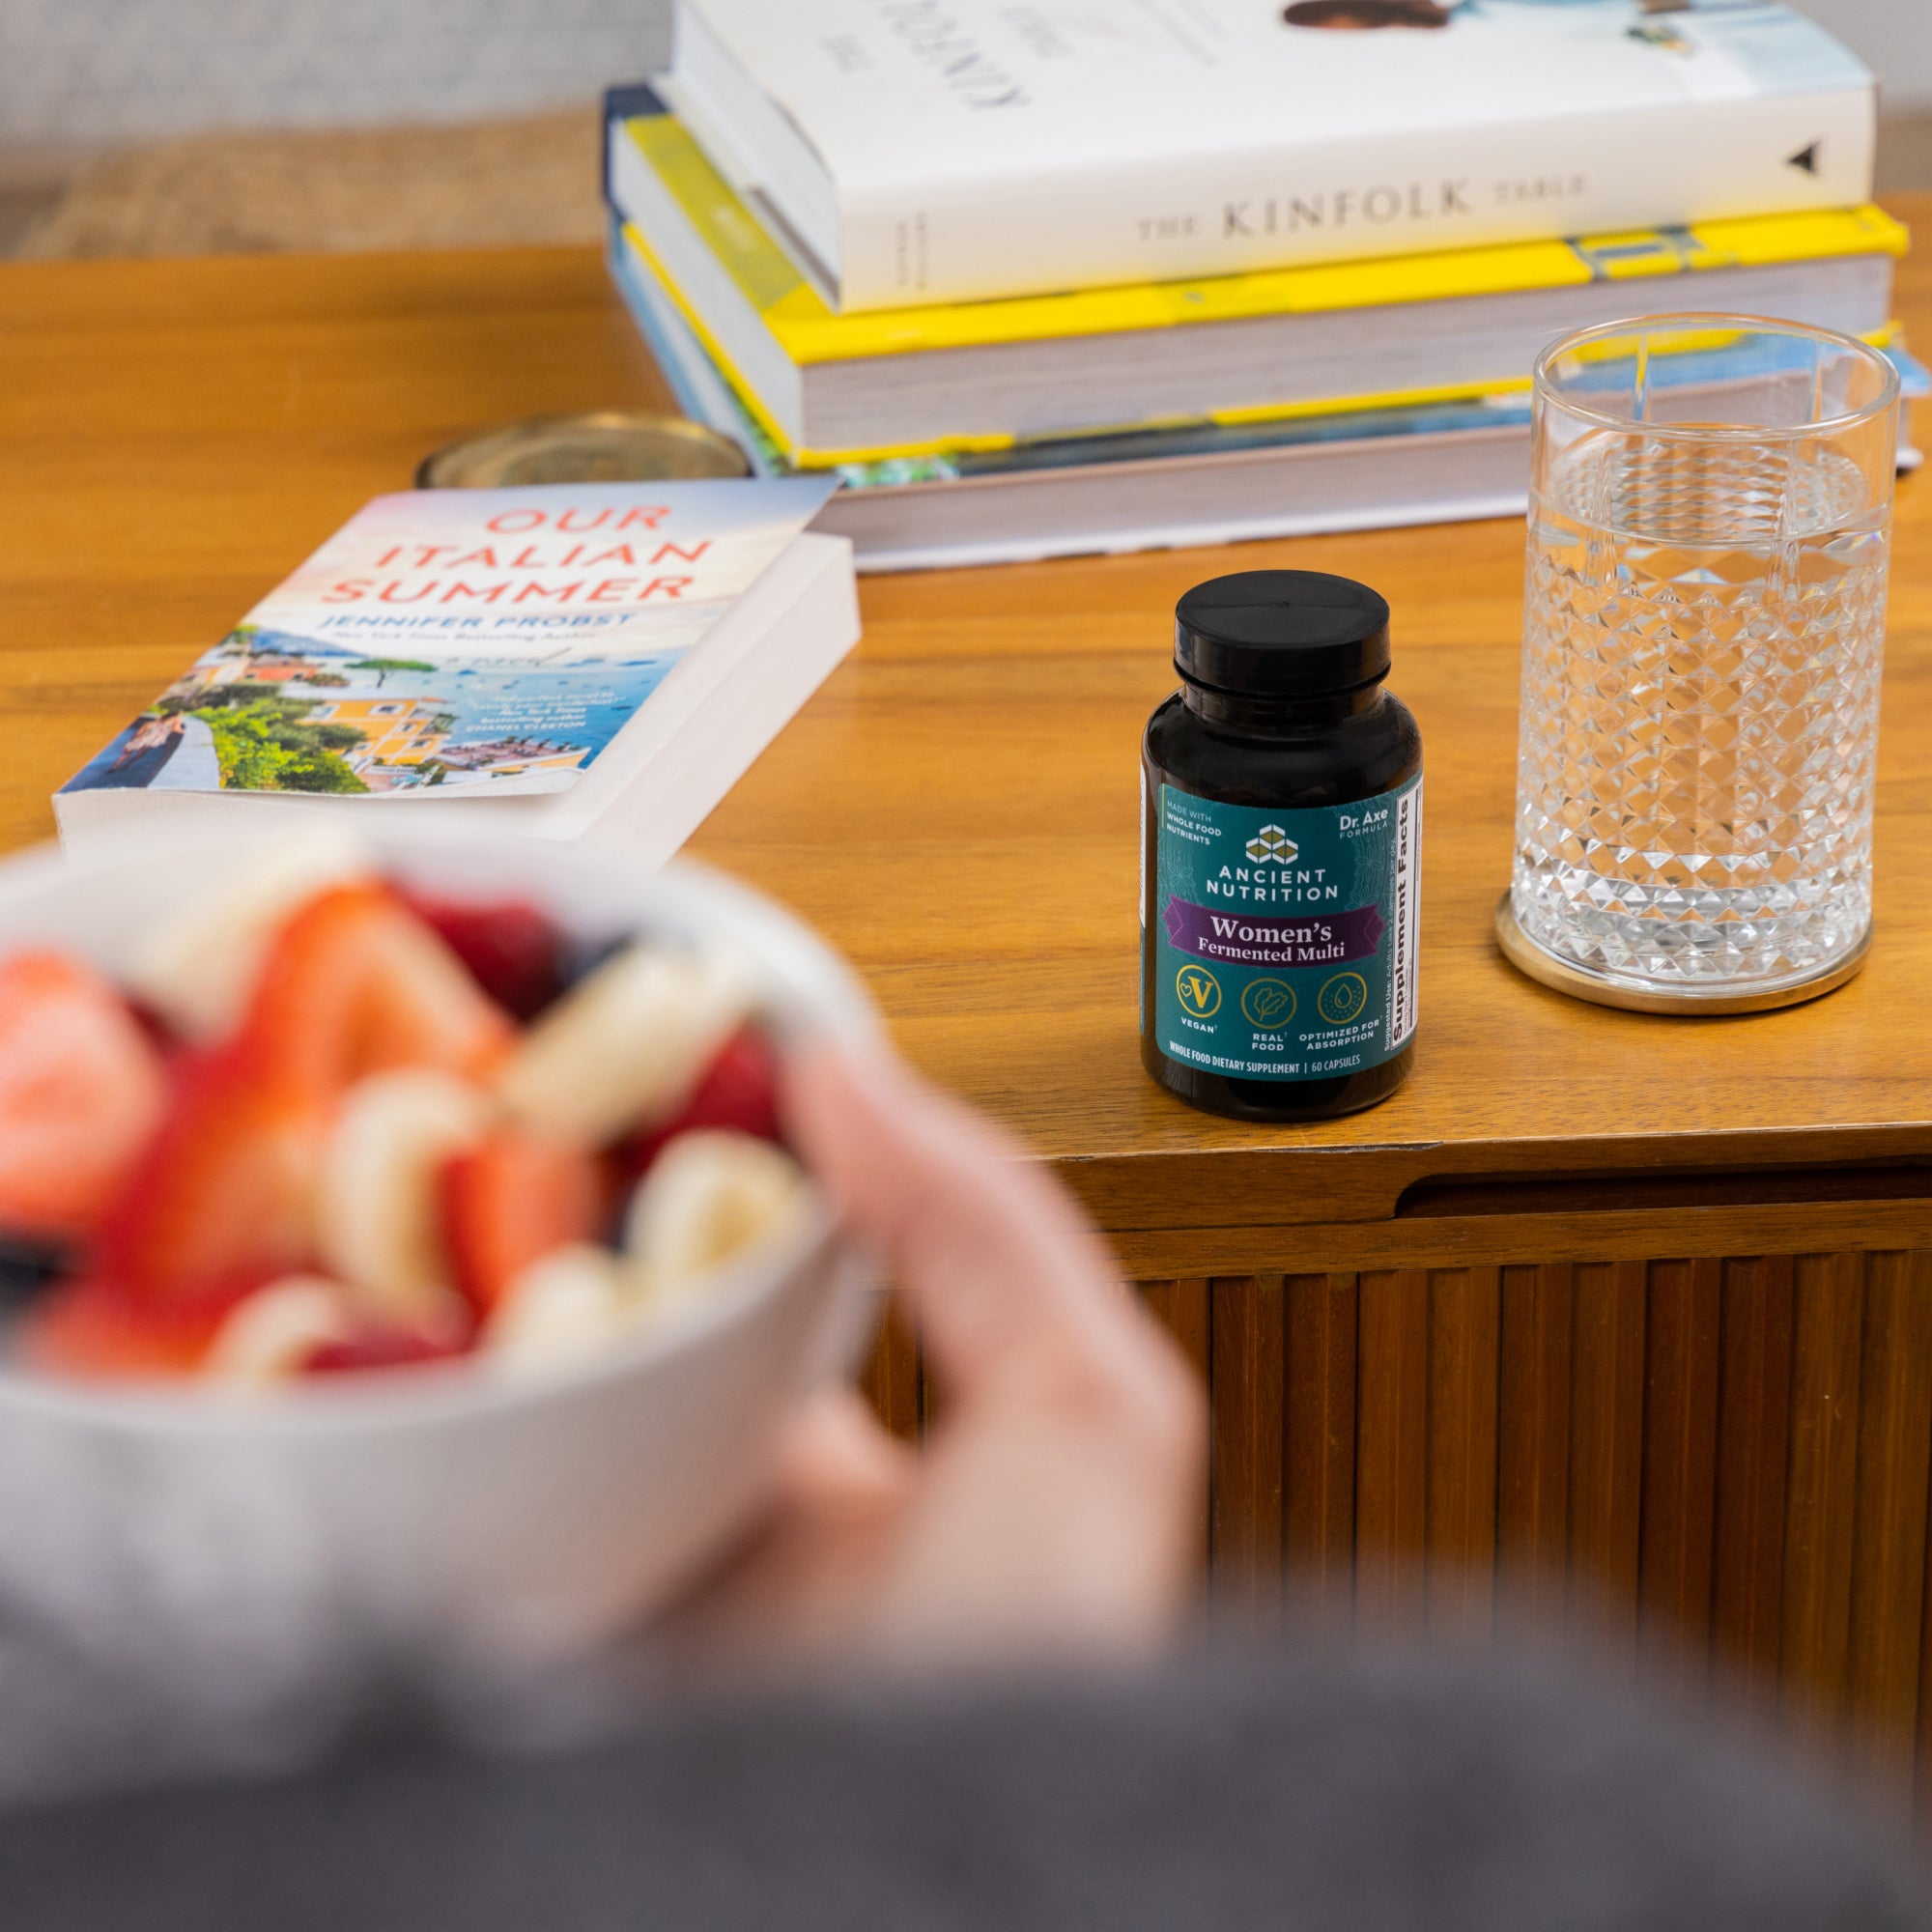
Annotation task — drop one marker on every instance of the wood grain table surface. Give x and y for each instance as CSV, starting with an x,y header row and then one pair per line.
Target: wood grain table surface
x,y
957,806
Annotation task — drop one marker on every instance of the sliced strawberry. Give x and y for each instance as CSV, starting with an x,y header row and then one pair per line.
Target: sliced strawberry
x,y
223,1199
510,1201
95,1330
354,984
81,1087
381,1349
516,953
739,1091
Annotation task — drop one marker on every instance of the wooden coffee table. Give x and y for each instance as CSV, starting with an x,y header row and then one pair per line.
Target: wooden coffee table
x,y
1633,1314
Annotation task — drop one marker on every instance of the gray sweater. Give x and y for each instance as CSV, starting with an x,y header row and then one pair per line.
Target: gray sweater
x,y
1315,1790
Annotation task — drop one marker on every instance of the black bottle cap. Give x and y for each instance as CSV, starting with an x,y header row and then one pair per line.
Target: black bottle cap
x,y
1282,633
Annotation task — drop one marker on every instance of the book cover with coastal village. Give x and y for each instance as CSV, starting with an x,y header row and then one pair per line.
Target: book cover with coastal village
x,y
448,641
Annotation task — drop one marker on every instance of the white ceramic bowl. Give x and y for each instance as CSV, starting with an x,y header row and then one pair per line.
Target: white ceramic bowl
x,y
446,1513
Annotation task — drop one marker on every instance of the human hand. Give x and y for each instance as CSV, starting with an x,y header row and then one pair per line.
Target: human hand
x,y
1052,1508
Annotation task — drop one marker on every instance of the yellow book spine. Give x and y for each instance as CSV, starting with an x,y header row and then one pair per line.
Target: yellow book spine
x,y
754,406
804,457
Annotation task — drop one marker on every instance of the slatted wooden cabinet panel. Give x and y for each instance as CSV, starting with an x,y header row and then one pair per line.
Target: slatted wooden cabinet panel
x,y
1701,1461
1705,1460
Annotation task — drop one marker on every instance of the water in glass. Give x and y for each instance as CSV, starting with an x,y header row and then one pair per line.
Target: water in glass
x,y
1701,666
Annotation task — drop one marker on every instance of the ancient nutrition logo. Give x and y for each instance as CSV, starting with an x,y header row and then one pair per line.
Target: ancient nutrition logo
x,y
1272,845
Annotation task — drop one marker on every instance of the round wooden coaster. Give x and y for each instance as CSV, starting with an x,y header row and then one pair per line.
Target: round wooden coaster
x,y
595,446
1600,989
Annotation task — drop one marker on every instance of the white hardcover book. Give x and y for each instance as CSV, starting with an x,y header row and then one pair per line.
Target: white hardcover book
x,y
927,151
604,657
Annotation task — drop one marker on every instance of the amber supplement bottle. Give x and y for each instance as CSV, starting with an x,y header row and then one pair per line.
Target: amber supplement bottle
x,y
1281,831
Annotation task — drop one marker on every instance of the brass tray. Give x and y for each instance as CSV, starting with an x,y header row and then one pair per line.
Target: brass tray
x,y
1601,990
593,446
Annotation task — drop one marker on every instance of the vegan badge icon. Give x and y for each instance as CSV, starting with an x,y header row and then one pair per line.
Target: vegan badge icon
x,y
1268,1004
1200,991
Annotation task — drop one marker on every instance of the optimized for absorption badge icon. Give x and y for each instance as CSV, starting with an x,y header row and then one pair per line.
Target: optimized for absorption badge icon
x,y
1342,999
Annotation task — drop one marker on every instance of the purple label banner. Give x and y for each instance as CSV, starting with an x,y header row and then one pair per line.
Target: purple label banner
x,y
1241,939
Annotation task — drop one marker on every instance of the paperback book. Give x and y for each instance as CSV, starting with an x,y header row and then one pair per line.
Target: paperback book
x,y
573,655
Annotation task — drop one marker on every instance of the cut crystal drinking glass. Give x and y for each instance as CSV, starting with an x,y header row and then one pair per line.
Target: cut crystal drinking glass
x,y
1704,622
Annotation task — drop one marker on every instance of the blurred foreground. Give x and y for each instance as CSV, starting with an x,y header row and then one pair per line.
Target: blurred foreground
x,y
1326,1792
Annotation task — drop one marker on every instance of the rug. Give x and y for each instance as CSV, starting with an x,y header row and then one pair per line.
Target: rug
x,y
481,184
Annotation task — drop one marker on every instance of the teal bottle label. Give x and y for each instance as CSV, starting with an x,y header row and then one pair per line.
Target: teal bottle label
x,y
1285,942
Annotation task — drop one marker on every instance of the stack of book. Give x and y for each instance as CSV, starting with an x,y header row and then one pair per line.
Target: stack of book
x,y
1035,280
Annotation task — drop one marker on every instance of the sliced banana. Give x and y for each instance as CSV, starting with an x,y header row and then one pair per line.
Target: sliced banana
x,y
708,1197
624,1049
270,1337
568,1306
380,1218
198,967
